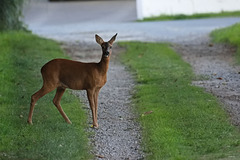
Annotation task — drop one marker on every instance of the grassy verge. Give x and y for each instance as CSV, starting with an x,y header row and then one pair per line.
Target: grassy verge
x,y
21,57
229,35
193,16
179,121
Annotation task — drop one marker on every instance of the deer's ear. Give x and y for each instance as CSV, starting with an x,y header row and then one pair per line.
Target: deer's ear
x,y
112,39
99,40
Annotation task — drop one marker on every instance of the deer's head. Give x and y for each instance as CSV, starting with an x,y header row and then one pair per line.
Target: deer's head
x,y
106,46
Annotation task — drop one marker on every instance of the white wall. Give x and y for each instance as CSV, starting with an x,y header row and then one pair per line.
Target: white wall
x,y
148,8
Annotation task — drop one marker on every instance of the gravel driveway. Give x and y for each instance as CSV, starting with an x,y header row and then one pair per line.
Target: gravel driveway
x,y
119,135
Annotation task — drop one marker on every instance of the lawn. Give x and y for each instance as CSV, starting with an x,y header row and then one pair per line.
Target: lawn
x,y
229,35
22,55
193,16
179,120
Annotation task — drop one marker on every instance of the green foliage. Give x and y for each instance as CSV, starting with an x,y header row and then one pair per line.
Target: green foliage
x,y
186,122
193,16
10,14
21,58
229,35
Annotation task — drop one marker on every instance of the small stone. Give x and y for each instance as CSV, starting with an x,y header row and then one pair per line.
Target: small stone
x,y
100,156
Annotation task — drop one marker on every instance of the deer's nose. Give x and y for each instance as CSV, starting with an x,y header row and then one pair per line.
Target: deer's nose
x,y
106,53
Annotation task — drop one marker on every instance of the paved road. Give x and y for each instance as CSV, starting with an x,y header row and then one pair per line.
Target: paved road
x,y
80,20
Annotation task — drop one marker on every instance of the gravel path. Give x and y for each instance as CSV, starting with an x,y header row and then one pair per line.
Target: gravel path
x,y
217,73
118,136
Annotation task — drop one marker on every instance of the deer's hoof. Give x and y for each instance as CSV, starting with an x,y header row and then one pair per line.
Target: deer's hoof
x,y
94,126
30,122
69,122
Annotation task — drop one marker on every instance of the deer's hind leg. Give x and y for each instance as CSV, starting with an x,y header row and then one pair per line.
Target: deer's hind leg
x,y
56,102
35,97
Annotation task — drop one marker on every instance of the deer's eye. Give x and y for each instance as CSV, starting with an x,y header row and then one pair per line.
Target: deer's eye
x,y
110,47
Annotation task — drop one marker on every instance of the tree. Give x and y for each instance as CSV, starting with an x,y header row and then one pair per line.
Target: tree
x,y
10,13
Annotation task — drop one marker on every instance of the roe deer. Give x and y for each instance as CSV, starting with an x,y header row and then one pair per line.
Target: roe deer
x,y
63,73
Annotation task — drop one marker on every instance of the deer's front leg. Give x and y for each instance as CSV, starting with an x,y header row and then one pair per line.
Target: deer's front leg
x,y
96,100
91,99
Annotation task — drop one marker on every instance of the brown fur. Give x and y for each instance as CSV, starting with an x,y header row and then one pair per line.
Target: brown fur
x,y
63,73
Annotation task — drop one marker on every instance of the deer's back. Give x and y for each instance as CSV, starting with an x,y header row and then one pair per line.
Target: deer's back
x,y
72,74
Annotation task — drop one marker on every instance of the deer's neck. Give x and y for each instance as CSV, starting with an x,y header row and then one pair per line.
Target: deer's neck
x,y
104,64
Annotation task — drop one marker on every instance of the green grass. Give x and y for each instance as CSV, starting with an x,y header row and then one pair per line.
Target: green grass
x,y
21,57
186,122
193,16
229,35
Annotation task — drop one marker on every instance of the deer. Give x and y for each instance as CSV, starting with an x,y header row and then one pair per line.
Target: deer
x,y
61,74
